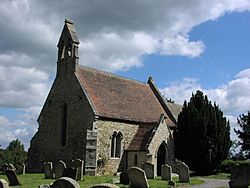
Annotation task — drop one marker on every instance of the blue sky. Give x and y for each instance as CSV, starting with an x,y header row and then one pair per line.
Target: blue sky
x,y
184,46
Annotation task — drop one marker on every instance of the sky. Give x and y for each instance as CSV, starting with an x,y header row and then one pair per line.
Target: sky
x,y
184,45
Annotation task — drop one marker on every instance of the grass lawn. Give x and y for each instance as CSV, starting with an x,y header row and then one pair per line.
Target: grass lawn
x,y
34,180
217,176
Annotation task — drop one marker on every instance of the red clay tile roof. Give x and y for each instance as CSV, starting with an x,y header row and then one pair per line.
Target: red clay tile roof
x,y
142,138
117,97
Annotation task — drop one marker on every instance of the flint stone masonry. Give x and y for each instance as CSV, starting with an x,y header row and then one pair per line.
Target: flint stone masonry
x,y
124,179
3,184
240,176
166,172
65,182
48,170
183,172
137,178
59,169
149,170
105,132
12,177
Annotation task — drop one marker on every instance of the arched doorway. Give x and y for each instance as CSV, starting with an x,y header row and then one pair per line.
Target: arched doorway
x,y
161,157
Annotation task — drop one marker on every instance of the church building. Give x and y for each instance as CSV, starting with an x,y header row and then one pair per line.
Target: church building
x,y
110,122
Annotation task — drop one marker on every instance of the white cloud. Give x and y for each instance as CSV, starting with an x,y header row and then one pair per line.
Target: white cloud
x,y
112,51
180,45
22,87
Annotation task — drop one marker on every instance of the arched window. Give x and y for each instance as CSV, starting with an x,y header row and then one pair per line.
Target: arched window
x,y
113,144
64,125
116,145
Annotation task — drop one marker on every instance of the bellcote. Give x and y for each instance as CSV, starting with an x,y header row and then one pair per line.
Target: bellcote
x,y
67,49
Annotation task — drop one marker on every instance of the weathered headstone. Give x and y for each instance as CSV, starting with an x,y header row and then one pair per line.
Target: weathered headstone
x,y
240,176
78,163
105,185
48,170
59,168
10,167
137,178
70,173
65,182
24,169
3,184
124,179
149,170
166,172
11,175
183,172
20,169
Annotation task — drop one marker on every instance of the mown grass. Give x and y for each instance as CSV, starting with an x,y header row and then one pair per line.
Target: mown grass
x,y
34,180
217,176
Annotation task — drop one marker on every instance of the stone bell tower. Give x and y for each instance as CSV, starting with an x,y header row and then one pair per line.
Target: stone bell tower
x,y
67,50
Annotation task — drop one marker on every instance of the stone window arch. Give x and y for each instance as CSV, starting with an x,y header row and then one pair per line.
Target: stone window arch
x,y
116,144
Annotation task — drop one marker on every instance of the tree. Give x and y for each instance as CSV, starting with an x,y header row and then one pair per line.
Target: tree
x,y
244,133
15,153
202,137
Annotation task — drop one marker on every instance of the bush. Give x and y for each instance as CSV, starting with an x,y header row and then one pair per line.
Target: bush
x,y
227,164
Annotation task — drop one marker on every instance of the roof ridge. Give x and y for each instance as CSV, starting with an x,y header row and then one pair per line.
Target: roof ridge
x,y
112,74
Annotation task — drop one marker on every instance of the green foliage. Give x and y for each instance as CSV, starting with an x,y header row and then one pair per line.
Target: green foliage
x,y
202,138
14,153
244,133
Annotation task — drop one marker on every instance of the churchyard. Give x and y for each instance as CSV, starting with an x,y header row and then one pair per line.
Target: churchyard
x,y
34,180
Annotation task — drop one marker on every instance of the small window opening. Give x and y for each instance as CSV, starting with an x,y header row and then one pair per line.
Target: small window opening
x,y
64,125
116,144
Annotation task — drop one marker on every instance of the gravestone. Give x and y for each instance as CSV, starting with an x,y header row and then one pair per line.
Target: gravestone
x,y
105,185
70,173
3,184
65,182
59,168
166,172
240,176
10,167
183,172
124,179
172,183
48,170
137,178
20,169
149,170
24,169
11,175
78,163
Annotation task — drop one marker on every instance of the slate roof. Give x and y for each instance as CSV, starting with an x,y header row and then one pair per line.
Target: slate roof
x,y
117,97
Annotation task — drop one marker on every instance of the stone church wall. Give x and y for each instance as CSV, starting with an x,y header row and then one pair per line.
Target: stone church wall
x,y
46,145
105,132
162,134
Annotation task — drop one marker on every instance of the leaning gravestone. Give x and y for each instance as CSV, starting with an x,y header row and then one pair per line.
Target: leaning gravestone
x,y
124,179
137,178
10,167
183,172
59,168
3,184
48,170
166,172
11,175
149,170
65,182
